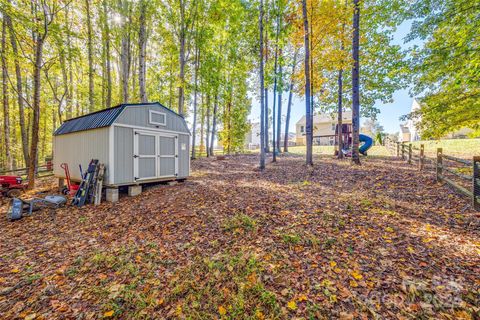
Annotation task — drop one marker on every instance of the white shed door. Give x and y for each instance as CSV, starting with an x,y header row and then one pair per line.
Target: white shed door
x,y
145,157
168,154
155,155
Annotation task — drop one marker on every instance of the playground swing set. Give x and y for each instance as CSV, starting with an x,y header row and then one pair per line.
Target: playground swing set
x,y
346,147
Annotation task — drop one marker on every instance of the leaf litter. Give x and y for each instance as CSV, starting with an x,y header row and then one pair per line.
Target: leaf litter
x,y
382,240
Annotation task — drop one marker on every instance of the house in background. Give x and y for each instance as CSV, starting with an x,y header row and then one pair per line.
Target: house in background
x,y
409,130
323,128
252,140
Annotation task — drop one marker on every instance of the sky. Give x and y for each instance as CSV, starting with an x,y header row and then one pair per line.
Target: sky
x,y
389,112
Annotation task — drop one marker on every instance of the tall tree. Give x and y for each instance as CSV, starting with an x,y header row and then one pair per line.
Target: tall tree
x,y
195,92
19,87
262,89
142,46
267,112
279,109
91,103
308,107
275,82
356,83
289,104
44,17
6,107
125,53
107,74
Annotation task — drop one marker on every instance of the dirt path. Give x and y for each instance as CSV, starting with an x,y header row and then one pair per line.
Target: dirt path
x,y
334,241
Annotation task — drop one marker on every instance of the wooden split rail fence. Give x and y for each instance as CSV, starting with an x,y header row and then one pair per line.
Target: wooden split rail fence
x,y
461,174
43,170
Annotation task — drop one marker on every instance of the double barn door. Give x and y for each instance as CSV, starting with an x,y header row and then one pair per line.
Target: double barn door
x,y
155,155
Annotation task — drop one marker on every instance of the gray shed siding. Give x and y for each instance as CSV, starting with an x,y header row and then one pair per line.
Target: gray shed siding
x,y
183,156
123,155
79,148
139,116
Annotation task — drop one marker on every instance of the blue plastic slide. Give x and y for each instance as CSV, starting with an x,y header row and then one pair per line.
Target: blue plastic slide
x,y
367,144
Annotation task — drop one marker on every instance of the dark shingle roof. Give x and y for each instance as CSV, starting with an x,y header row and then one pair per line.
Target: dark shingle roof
x,y
99,119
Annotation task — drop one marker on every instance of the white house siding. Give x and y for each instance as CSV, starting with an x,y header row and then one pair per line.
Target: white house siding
x,y
78,148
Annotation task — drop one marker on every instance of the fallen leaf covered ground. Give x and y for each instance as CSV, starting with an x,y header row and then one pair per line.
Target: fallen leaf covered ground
x,y
381,240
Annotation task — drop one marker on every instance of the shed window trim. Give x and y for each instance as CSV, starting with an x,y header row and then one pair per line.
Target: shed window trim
x,y
151,121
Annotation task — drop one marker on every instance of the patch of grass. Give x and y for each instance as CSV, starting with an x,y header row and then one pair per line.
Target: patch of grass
x,y
229,283
240,222
329,243
366,203
33,277
385,212
291,238
71,272
463,148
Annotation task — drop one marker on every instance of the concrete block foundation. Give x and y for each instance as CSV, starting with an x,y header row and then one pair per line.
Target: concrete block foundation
x,y
111,194
134,191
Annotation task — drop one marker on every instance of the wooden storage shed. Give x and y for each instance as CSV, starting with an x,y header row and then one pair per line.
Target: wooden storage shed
x,y
138,143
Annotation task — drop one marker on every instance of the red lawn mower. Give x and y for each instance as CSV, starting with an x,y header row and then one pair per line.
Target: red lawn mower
x,y
11,186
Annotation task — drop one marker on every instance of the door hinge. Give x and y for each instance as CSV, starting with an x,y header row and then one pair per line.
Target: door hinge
x,y
176,156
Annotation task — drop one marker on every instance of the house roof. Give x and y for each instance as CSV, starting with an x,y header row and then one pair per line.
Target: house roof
x,y
326,117
99,119
404,129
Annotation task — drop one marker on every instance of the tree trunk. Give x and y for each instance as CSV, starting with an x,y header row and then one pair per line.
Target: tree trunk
x,y
308,107
6,111
182,37
340,114
266,120
279,109
214,124
262,90
195,92
36,110
125,53
142,46
19,85
207,136
356,84
289,106
275,81
202,125
69,100
106,26
91,106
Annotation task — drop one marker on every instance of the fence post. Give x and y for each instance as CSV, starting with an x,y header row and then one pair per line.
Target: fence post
x,y
403,151
439,165
476,183
398,149
421,163
409,153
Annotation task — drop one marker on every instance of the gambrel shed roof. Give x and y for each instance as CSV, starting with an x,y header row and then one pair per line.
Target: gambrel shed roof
x,y
100,119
